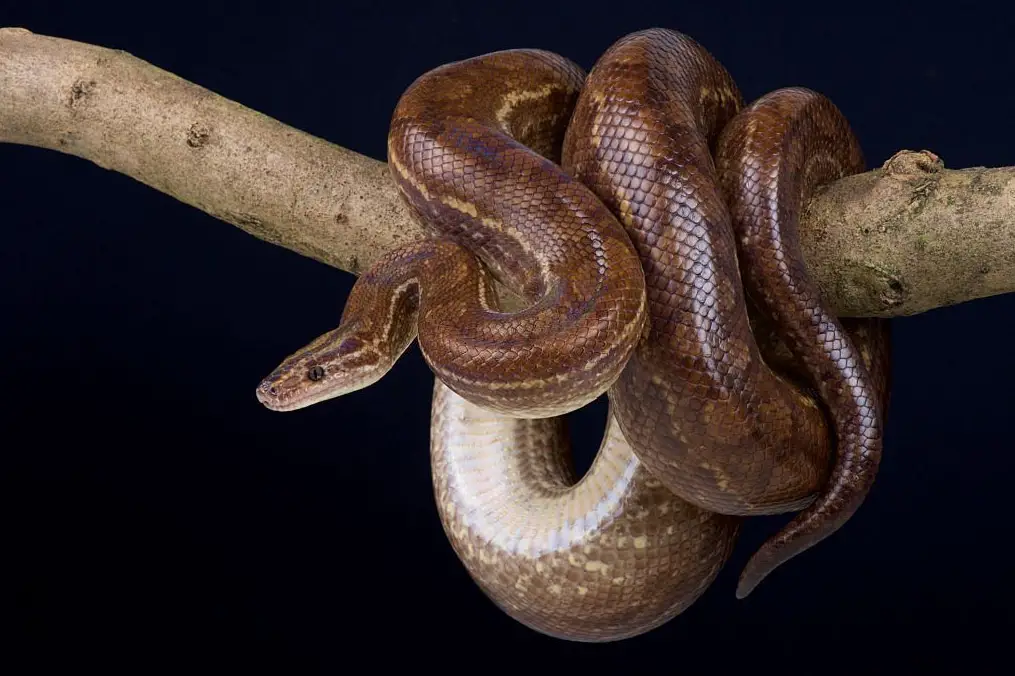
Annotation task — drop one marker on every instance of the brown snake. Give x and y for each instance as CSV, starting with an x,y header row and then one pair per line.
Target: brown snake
x,y
702,429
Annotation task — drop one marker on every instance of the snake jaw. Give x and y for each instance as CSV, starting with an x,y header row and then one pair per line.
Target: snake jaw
x,y
339,362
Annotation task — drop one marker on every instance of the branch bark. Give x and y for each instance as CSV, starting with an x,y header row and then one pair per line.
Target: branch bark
x,y
901,239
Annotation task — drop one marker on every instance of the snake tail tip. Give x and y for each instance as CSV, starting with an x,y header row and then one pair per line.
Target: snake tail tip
x,y
745,587
754,572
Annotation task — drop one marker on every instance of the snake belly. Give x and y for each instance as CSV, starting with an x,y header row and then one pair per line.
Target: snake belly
x,y
602,557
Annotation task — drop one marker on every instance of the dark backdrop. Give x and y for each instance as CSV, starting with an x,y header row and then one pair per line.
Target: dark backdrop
x,y
160,515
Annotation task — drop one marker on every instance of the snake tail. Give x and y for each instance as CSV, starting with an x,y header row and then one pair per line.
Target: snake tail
x,y
771,158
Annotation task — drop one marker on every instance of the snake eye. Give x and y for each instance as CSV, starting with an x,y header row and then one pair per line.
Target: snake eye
x,y
316,373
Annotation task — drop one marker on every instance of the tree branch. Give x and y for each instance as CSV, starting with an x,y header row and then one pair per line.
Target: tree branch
x,y
901,239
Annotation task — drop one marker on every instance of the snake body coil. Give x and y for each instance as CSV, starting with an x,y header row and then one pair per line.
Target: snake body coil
x,y
697,401
464,149
724,402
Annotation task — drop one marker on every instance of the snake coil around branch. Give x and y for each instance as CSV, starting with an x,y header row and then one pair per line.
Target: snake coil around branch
x,y
899,239
648,221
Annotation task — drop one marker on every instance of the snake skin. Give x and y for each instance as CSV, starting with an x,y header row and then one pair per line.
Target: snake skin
x,y
697,402
771,158
733,390
464,147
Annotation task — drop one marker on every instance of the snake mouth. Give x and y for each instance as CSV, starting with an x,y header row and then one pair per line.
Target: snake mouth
x,y
284,397
274,399
267,394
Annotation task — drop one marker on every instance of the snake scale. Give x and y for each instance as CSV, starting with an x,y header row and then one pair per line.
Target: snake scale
x,y
629,231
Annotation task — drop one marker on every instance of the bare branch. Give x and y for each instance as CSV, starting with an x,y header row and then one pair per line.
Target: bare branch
x,y
275,182
901,239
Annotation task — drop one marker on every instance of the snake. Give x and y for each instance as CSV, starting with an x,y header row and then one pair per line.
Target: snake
x,y
628,232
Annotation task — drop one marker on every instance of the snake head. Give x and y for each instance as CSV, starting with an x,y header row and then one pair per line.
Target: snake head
x,y
338,362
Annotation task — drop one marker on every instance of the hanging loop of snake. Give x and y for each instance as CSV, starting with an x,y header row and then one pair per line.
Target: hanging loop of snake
x,y
630,231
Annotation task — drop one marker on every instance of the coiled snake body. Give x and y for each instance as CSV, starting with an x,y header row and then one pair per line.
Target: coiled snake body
x,y
624,262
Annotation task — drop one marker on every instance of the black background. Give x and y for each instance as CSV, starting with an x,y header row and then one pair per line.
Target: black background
x,y
160,516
